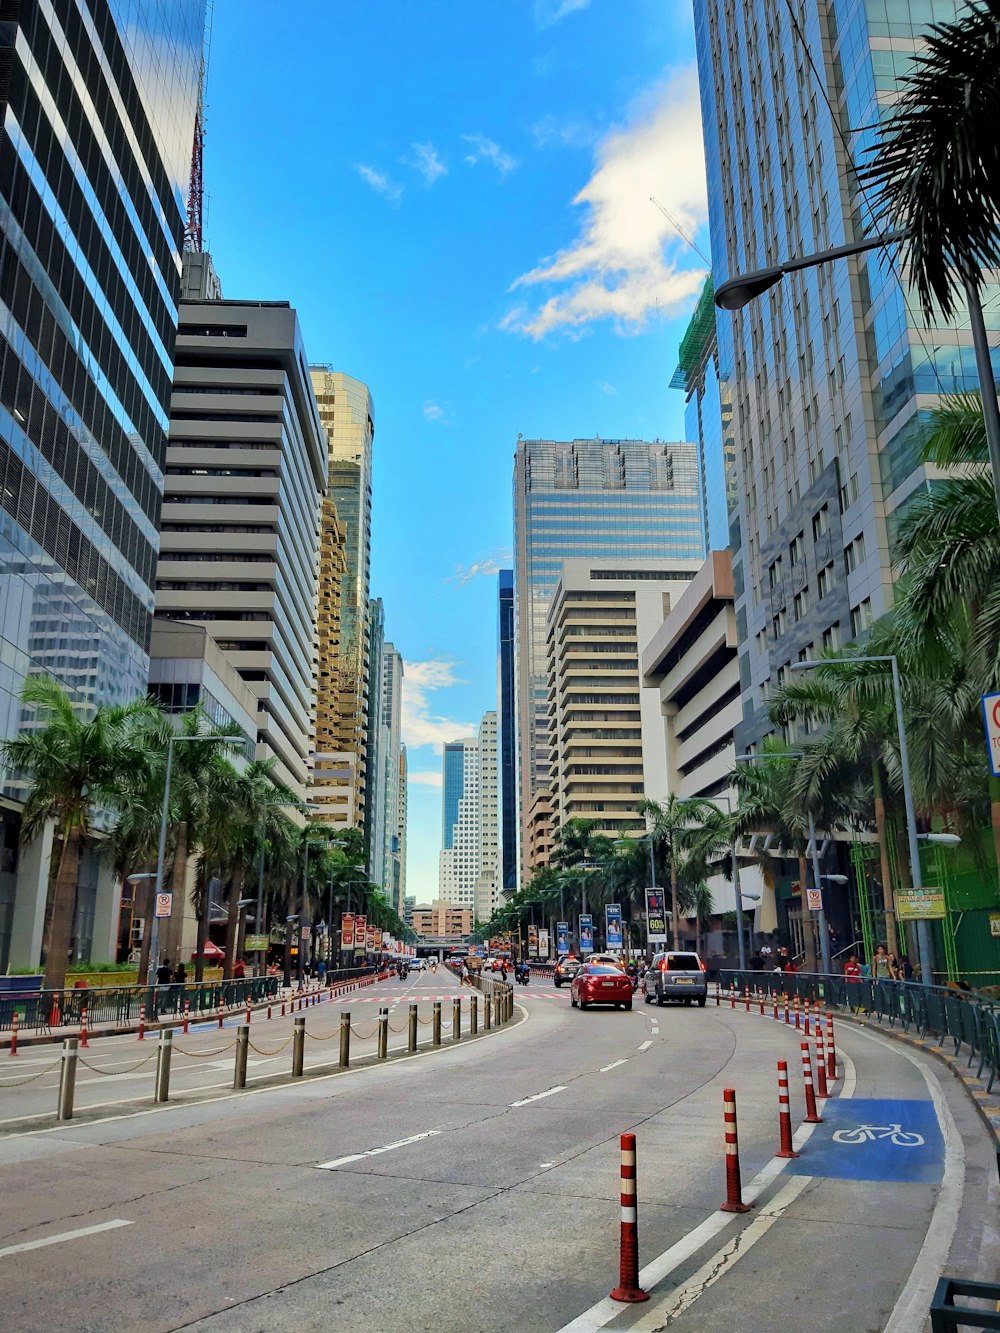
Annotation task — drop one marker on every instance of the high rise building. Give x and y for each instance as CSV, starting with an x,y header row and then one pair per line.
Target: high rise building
x,y
706,415
245,477
507,731
606,728
830,374
376,745
95,148
404,799
347,414
394,761
469,867
620,499
333,785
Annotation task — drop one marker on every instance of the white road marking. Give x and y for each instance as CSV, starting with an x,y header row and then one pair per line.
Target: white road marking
x,y
645,1045
375,1152
680,1300
655,1030
65,1235
539,1095
604,1068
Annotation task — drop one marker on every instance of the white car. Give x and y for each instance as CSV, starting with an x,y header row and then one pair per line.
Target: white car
x,y
417,964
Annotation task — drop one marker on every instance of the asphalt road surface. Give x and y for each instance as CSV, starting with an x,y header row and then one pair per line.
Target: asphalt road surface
x,y
477,1188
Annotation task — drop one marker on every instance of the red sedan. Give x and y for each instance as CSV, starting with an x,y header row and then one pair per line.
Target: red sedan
x,y
601,983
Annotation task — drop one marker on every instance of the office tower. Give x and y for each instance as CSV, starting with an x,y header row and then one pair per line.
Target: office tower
x,y
606,727
831,374
404,799
347,413
245,477
394,758
620,499
707,415
376,744
507,729
95,151
469,862
333,789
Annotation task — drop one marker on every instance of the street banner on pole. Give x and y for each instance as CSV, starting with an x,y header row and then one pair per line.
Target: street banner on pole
x,y
613,926
586,934
562,937
656,921
543,941
991,721
373,934
347,931
360,926
533,941
255,943
920,905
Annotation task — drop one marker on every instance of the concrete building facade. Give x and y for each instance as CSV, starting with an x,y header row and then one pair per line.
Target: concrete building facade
x,y
98,109
468,874
394,839
245,477
333,788
606,750
507,731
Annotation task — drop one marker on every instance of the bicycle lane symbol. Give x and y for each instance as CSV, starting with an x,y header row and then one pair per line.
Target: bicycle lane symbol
x,y
869,1139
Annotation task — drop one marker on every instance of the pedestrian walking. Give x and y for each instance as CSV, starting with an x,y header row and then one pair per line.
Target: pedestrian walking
x,y
465,975
321,970
852,969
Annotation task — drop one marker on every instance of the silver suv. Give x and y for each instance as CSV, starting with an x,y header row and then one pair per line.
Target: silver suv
x,y
675,976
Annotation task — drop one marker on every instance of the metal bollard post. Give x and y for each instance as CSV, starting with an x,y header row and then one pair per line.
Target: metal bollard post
x,y
496,1009
473,1015
163,1054
67,1079
411,1043
242,1044
456,1019
345,1041
298,1047
487,1012
436,1024
383,1033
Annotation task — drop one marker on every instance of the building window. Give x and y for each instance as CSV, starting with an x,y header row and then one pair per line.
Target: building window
x,y
795,549
861,618
831,639
821,524
800,604
826,581
854,554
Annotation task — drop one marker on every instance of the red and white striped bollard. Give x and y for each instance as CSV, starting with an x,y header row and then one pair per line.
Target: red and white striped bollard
x,y
784,1114
821,1089
734,1188
831,1049
83,1027
812,1116
187,1016
628,1288
13,1033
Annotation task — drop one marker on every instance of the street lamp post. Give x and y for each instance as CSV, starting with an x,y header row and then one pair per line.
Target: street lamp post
x,y
736,292
154,929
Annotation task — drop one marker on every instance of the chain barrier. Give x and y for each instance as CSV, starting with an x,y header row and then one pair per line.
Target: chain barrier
x,y
364,1036
261,1051
20,1082
328,1037
203,1055
136,1064
399,1029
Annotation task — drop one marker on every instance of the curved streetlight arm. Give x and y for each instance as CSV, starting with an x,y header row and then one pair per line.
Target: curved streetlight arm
x,y
738,291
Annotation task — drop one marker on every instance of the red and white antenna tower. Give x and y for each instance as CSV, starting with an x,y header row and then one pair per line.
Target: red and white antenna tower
x,y
194,238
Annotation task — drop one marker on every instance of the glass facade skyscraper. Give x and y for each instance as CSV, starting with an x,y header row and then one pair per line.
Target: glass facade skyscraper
x,y
98,102
453,789
507,726
623,499
829,376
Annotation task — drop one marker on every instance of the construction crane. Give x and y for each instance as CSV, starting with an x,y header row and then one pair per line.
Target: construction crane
x,y
680,230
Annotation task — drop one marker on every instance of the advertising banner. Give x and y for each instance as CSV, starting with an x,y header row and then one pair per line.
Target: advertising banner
x,y
656,920
533,941
255,943
920,905
347,931
373,937
360,927
613,926
543,941
991,723
562,937
586,934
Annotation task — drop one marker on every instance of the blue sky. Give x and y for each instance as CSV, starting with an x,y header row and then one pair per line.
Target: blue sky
x,y
455,197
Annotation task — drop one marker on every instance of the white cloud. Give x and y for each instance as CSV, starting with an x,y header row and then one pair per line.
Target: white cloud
x,y
487,566
426,779
550,12
485,150
435,412
380,182
419,725
607,388
426,161
625,263
565,133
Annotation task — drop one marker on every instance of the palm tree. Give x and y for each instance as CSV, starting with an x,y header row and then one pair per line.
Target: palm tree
x,y
253,804
701,902
75,766
689,833
937,168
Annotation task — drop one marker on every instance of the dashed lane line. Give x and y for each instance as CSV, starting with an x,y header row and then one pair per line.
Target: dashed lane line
x,y
644,1046
376,1152
64,1235
537,1097
604,1068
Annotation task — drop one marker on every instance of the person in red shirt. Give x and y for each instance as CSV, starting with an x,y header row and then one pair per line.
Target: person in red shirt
x,y
852,969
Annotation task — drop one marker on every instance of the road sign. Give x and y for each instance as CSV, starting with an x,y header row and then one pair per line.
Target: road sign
x,y
306,932
920,905
814,900
991,721
164,903
874,1139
